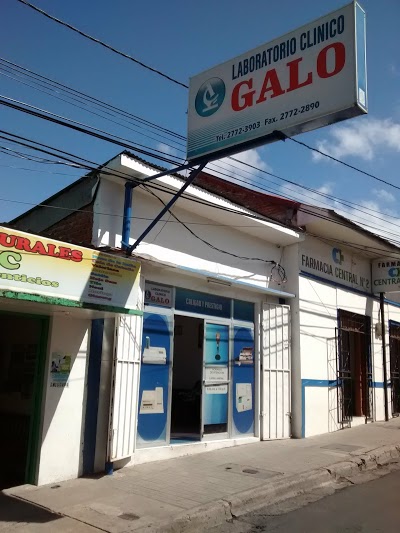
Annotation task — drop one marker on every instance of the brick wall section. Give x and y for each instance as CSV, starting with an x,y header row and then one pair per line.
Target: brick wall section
x,y
76,227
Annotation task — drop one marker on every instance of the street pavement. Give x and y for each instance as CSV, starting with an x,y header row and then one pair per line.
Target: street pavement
x,y
373,507
199,491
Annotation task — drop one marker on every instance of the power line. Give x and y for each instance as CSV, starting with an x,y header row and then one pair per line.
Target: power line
x,y
346,203
102,43
61,121
186,86
275,265
87,109
124,176
247,215
71,92
343,163
121,175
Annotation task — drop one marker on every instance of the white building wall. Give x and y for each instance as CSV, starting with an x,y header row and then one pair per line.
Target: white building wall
x,y
175,245
318,320
392,312
319,303
63,420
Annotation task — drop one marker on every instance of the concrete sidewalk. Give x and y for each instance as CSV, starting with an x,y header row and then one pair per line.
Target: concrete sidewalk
x,y
177,494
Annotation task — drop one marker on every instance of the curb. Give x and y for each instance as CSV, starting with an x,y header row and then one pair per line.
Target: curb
x,y
226,510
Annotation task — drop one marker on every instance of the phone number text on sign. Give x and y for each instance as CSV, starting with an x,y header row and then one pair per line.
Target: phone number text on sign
x,y
269,120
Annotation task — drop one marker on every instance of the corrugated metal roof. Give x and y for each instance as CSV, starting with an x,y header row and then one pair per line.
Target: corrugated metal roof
x,y
268,205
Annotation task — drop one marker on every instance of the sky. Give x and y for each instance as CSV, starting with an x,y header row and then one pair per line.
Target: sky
x,y
181,39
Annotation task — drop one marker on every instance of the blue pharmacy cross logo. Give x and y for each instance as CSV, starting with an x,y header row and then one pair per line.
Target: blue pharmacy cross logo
x,y
210,96
394,272
337,256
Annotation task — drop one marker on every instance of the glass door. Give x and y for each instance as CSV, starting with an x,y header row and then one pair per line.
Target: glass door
x,y
216,380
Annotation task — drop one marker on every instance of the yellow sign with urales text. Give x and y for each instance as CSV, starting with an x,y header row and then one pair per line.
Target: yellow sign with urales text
x,y
53,269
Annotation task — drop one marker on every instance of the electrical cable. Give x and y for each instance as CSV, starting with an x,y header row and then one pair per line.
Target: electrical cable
x,y
71,92
88,110
24,2
205,203
312,148
350,204
118,174
101,43
279,268
82,128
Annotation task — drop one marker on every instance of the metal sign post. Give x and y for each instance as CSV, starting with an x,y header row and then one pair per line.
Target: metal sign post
x,y
167,207
385,387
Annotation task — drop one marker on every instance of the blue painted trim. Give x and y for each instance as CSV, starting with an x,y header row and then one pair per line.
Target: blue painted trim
x,y
380,385
321,383
336,284
93,392
311,383
126,224
395,304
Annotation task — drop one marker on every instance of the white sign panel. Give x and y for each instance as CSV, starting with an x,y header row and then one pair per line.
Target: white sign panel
x,y
157,294
217,389
311,77
216,373
336,264
386,275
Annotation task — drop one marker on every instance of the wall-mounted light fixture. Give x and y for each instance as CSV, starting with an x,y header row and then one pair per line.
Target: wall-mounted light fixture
x,y
219,281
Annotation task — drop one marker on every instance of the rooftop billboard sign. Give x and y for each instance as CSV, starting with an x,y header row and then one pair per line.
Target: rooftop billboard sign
x,y
309,78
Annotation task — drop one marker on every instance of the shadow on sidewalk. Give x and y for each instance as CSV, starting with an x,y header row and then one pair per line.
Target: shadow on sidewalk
x,y
15,510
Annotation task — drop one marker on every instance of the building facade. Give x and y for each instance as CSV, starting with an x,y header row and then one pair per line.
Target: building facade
x,y
52,298
259,320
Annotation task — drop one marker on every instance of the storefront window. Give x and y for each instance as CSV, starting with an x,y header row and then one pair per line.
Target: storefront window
x,y
154,379
197,373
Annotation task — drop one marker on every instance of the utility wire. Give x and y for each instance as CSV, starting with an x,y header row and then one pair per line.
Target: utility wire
x,y
275,265
343,163
186,86
346,203
88,110
30,110
125,176
359,248
121,141
102,43
71,92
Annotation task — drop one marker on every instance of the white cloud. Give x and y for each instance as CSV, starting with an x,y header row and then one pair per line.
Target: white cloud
x,y
361,138
394,70
373,213
384,195
373,217
167,149
228,169
296,192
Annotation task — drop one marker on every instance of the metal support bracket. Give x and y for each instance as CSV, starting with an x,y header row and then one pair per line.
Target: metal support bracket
x,y
168,206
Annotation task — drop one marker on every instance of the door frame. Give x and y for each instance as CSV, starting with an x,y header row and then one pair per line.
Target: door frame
x,y
394,374
35,422
344,318
226,434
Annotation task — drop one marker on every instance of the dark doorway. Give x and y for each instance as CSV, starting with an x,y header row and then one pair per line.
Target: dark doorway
x,y
22,341
354,366
394,343
187,375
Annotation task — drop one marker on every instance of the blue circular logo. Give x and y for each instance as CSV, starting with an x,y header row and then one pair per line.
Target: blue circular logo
x,y
210,96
